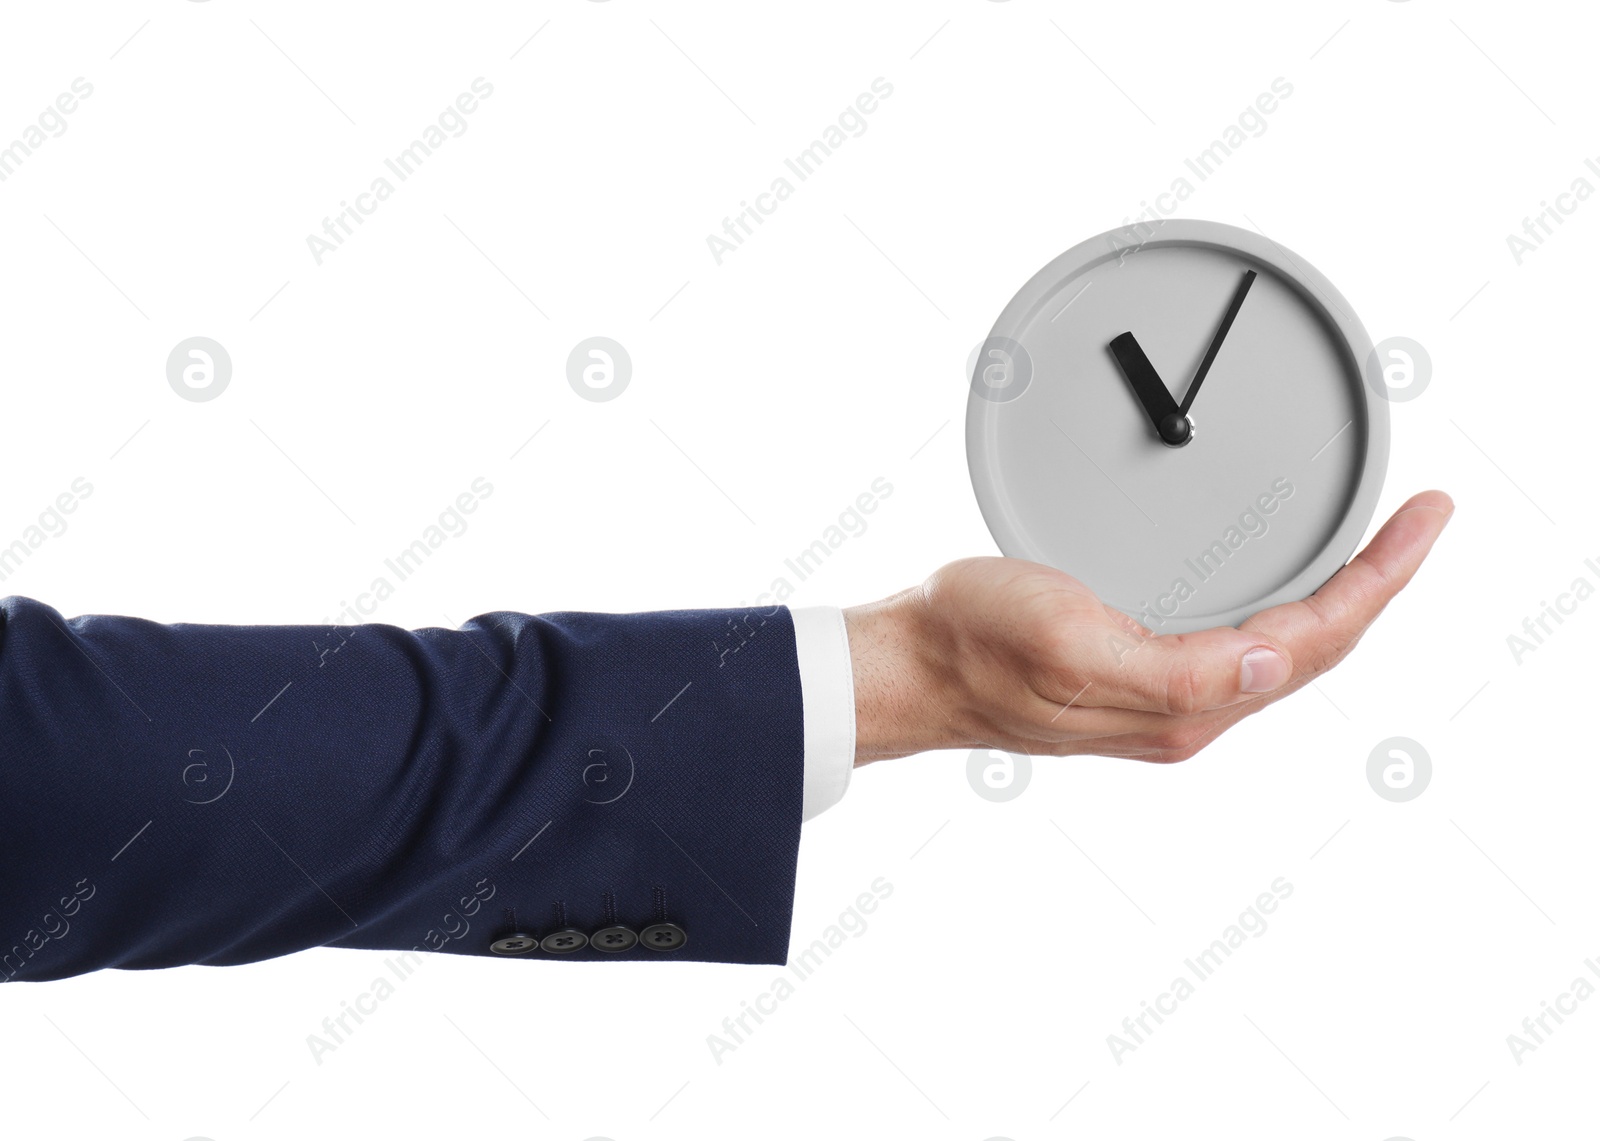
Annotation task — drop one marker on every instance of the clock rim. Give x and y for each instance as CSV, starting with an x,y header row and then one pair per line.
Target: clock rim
x,y
1312,286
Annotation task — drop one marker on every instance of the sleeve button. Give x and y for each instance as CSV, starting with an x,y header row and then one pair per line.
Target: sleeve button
x,y
516,944
564,941
663,937
613,940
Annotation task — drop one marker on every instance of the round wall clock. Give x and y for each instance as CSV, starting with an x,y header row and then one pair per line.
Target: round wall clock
x,y
1177,415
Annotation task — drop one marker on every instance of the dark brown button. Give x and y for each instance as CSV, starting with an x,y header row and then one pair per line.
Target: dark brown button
x,y
515,944
564,941
614,940
663,936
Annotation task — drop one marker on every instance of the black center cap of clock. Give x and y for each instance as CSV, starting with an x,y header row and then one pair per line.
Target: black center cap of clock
x,y
1176,430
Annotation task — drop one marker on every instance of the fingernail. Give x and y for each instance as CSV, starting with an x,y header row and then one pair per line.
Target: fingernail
x,y
1262,670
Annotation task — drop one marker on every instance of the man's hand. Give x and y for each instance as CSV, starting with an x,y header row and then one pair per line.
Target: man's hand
x,y
1009,654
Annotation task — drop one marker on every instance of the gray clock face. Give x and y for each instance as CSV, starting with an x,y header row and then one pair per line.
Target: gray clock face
x,y
1254,495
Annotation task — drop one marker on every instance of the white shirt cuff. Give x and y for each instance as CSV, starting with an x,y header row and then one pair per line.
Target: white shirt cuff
x,y
828,700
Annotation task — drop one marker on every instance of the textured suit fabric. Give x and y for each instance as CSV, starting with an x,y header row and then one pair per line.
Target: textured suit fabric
x,y
180,793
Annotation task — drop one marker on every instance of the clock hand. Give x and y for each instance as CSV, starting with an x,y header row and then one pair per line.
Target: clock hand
x,y
1157,402
1216,341
1170,423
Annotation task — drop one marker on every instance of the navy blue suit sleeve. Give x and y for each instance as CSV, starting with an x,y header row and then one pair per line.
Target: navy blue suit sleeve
x,y
180,793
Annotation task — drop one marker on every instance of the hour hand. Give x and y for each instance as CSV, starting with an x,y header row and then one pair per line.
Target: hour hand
x,y
1170,424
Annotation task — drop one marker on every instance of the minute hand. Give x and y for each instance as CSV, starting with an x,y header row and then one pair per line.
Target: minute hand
x,y
1216,341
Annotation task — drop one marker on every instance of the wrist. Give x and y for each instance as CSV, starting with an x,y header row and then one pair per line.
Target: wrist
x,y
907,693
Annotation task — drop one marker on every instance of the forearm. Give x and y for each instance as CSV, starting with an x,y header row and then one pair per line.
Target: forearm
x,y
231,793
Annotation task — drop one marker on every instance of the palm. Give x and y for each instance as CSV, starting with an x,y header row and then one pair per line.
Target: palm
x,y
1024,657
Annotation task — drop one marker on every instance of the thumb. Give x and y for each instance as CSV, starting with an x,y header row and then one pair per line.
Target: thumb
x,y
1186,673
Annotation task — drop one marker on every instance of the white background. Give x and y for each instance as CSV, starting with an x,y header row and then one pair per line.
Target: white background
x,y
767,393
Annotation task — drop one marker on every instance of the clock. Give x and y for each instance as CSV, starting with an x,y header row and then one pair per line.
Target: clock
x,y
1177,414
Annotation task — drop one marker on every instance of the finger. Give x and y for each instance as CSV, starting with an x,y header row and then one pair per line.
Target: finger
x,y
1146,736
1182,674
1320,630
1054,723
